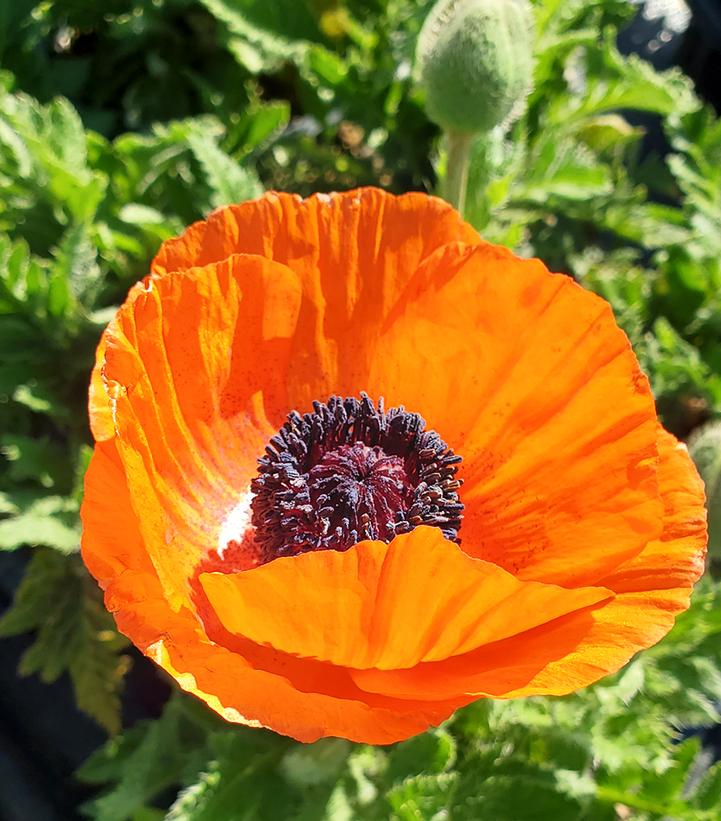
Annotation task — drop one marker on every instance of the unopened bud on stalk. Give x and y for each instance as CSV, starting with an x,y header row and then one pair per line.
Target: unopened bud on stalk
x,y
475,62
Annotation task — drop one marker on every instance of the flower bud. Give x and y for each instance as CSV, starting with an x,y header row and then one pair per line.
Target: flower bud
x,y
475,62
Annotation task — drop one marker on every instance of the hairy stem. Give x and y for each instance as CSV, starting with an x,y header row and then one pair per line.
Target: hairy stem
x,y
456,181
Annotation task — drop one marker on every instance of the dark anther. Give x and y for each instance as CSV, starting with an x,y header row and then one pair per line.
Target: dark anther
x,y
349,471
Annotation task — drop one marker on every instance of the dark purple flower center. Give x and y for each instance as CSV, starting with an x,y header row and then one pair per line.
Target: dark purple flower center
x,y
349,471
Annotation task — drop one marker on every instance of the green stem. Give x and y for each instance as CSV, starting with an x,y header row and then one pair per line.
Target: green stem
x,y
457,162
613,796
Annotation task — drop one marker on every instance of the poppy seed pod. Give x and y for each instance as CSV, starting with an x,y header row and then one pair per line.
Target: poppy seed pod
x,y
475,62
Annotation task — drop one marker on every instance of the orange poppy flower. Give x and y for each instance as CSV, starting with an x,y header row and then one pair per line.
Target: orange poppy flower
x,y
345,584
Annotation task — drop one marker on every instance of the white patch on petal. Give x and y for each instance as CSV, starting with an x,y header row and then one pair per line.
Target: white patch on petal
x,y
236,523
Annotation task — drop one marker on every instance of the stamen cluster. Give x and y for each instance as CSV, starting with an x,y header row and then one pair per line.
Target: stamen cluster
x,y
349,471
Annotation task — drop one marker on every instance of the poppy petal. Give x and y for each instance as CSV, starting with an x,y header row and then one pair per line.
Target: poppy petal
x,y
228,684
366,233
237,687
419,598
555,659
493,670
376,240
652,589
193,366
676,559
99,408
529,378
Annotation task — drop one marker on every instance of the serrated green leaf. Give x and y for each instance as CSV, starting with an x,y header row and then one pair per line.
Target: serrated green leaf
x,y
146,761
705,449
315,763
58,175
422,796
239,782
517,798
18,152
97,670
229,182
614,82
33,598
264,36
75,634
41,520
76,263
431,752
36,459
707,793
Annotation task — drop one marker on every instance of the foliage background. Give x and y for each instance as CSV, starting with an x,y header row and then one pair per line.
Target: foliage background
x,y
120,123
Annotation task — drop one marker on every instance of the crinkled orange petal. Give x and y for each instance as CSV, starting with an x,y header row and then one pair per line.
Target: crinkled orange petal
x,y
651,590
199,368
676,560
100,411
494,670
388,606
265,689
354,252
253,689
223,679
586,647
193,366
527,376
366,234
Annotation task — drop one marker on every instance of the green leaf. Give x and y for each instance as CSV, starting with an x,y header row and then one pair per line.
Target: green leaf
x,y
38,459
47,161
315,763
565,170
608,131
142,762
614,82
517,798
707,793
431,752
705,450
23,282
262,36
34,597
239,781
137,214
75,634
423,796
229,182
41,520
76,263
258,125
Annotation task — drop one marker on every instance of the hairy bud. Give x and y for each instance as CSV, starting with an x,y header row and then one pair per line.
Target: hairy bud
x,y
475,62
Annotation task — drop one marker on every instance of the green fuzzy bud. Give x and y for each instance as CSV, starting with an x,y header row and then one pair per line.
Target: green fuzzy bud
x,y
475,62
705,449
